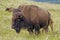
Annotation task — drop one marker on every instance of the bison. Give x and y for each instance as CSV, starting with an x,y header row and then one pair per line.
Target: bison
x,y
40,18
32,17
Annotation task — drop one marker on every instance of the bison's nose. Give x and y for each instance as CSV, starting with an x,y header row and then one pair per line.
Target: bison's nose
x,y
17,31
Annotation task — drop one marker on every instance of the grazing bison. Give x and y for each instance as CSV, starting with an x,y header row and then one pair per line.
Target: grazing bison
x,y
17,20
32,17
36,16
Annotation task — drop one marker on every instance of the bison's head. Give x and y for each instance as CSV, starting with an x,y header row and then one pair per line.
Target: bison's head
x,y
18,20
17,25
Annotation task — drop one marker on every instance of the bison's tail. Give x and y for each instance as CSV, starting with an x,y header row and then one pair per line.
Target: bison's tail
x,y
51,24
50,21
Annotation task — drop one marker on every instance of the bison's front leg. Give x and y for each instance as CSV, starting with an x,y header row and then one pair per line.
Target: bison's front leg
x,y
37,28
30,29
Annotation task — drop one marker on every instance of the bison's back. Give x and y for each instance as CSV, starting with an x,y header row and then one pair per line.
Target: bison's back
x,y
34,13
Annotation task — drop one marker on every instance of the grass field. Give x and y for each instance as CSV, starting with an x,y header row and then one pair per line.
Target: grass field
x,y
7,33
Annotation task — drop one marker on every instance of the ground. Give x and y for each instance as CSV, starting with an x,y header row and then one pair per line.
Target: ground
x,y
7,33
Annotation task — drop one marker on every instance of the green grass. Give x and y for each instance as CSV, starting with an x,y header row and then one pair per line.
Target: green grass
x,y
7,33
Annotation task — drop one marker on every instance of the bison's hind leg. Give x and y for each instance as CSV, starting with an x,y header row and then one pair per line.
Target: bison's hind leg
x,y
45,28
